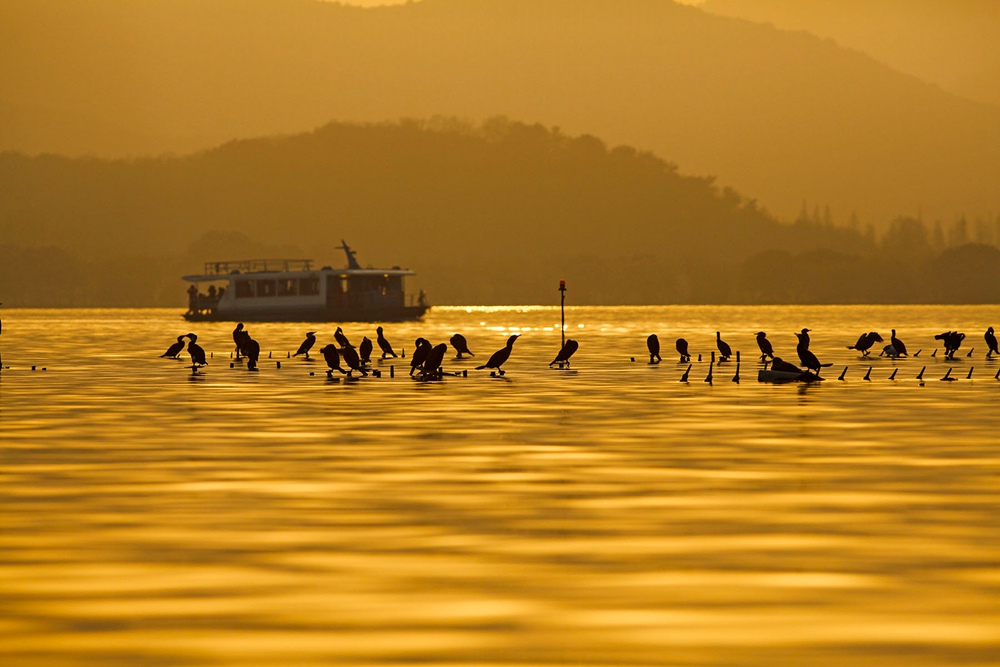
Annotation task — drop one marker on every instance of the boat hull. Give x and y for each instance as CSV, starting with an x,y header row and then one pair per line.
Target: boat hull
x,y
401,314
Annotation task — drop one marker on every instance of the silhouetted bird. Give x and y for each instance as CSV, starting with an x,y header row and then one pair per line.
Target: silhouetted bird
x,y
779,364
952,341
432,364
383,344
365,350
991,343
332,357
653,345
765,346
898,345
353,360
306,344
724,350
239,338
251,349
196,351
806,357
500,356
461,345
567,351
891,352
682,349
865,343
174,350
804,337
342,339
422,347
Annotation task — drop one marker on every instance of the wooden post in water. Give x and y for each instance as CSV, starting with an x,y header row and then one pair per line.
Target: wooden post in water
x,y
562,312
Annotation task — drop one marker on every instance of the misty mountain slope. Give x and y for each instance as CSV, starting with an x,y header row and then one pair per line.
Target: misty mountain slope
x,y
785,116
485,214
949,42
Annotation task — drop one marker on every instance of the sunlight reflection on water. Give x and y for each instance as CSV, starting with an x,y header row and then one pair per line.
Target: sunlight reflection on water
x,y
607,515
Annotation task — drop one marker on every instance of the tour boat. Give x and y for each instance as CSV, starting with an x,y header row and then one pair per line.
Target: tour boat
x,y
291,290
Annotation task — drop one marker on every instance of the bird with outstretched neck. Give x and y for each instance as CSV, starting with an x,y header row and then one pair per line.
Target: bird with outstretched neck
x,y
383,344
653,345
174,351
306,344
567,351
461,346
766,350
724,350
500,356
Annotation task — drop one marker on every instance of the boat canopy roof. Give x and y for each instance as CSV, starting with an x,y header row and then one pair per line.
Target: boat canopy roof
x,y
226,270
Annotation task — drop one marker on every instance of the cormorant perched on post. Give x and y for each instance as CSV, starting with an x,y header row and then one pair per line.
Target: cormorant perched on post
x,y
196,351
500,356
342,339
365,350
765,346
251,349
306,344
421,348
865,343
383,344
332,357
804,337
461,345
991,343
682,349
432,363
239,337
952,341
724,350
174,350
353,360
808,359
898,345
567,351
653,345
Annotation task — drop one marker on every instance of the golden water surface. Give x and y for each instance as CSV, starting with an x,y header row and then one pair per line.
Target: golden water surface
x,y
604,515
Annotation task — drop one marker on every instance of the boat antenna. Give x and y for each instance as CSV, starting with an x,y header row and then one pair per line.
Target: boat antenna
x,y
352,263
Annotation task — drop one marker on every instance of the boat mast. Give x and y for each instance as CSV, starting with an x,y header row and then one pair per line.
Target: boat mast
x,y
352,262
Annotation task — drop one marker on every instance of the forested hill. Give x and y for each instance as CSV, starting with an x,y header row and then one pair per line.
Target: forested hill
x,y
492,214
785,116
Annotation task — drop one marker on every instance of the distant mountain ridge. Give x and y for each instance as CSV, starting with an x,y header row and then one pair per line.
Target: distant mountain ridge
x,y
784,116
949,42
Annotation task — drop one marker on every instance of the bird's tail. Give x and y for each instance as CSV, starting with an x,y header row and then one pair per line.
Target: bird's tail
x,y
479,368
825,365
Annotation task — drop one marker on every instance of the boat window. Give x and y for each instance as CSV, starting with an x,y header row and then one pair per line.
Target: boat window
x,y
287,287
309,286
266,288
244,289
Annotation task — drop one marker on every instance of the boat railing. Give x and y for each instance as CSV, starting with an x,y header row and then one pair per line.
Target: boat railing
x,y
256,266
